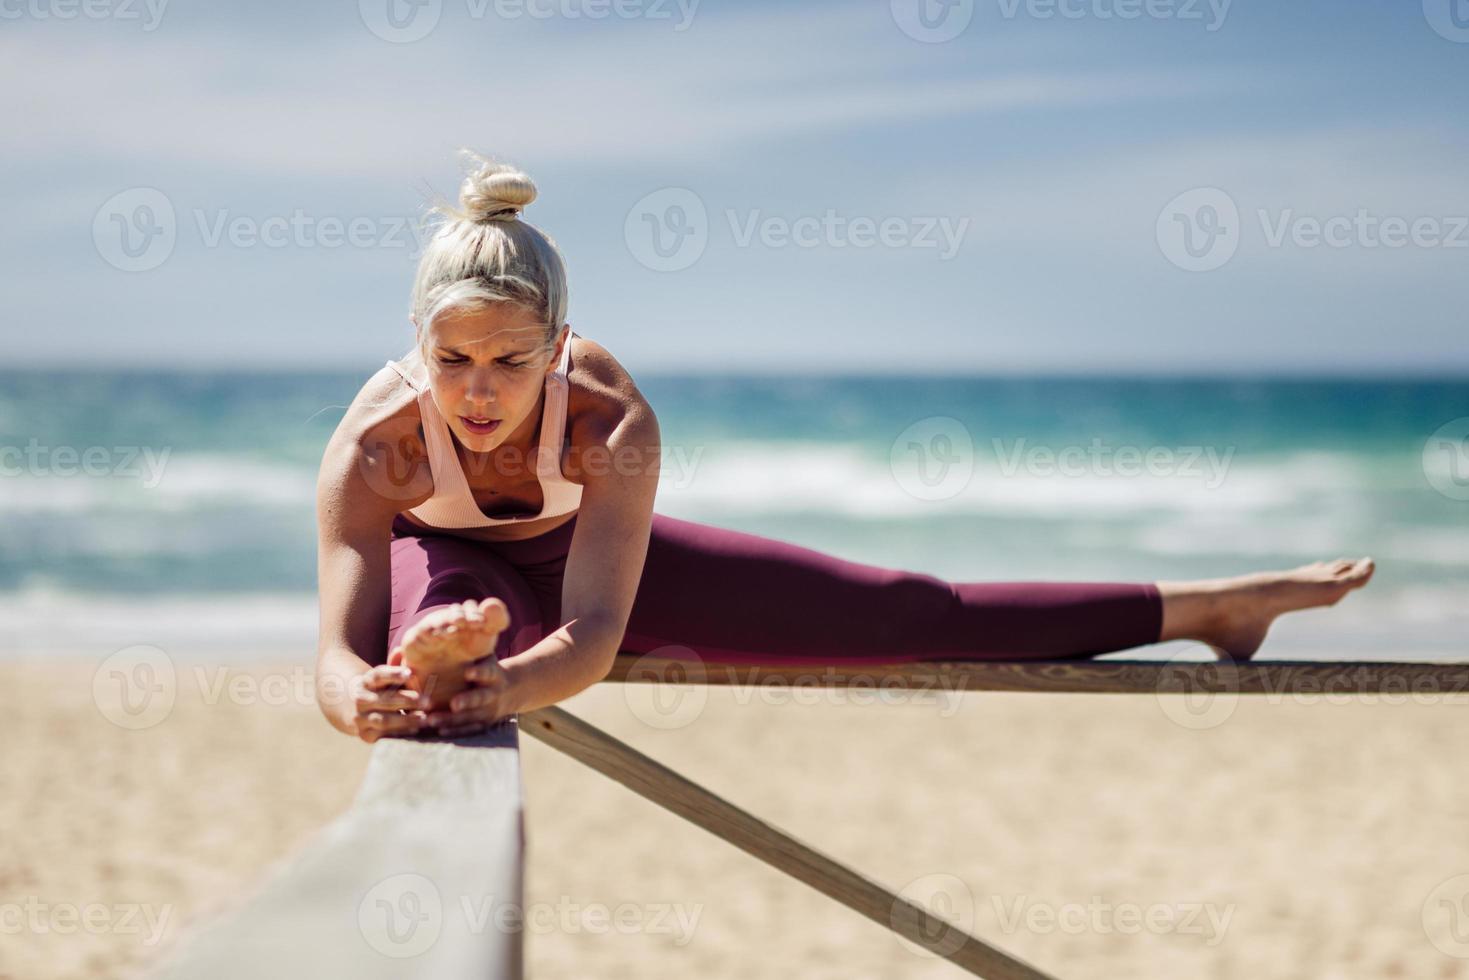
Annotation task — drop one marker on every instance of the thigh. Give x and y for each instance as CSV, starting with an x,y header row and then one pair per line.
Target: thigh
x,y
742,598
433,571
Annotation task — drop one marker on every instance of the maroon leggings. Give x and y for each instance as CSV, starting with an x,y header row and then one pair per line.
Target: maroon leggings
x,y
733,597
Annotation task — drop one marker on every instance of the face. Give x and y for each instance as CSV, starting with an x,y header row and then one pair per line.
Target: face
x,y
485,373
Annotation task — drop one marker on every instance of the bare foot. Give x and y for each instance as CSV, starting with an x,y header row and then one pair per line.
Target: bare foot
x,y
1234,614
438,647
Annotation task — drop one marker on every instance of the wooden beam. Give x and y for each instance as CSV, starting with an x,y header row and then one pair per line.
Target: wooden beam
x,y
1080,676
413,881
619,761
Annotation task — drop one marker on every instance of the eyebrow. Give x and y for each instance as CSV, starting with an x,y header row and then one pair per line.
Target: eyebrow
x,y
460,353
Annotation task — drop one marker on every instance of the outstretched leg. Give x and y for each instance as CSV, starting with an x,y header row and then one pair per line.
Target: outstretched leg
x,y
741,598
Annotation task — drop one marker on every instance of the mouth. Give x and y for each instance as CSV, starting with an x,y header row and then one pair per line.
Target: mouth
x,y
479,426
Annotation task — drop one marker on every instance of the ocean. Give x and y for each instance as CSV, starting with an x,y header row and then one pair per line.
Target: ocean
x,y
178,508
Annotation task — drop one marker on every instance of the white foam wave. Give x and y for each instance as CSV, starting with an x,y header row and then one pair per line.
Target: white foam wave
x,y
846,479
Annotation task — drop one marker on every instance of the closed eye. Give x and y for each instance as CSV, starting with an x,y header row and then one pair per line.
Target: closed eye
x,y
504,360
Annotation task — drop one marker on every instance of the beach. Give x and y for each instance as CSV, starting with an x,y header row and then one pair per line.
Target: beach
x,y
1091,835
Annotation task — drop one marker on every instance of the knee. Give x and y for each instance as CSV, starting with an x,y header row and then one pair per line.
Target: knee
x,y
455,586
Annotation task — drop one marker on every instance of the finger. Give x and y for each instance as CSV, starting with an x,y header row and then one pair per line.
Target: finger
x,y
389,700
485,673
380,678
474,700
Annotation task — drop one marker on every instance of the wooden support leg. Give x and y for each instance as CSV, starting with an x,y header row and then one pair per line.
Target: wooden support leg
x,y
619,761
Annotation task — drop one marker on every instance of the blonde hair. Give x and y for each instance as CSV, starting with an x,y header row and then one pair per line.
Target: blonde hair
x,y
483,253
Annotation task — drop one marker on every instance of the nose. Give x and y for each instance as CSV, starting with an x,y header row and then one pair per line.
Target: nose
x,y
479,391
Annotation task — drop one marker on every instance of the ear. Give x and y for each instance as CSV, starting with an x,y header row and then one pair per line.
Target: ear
x,y
395,659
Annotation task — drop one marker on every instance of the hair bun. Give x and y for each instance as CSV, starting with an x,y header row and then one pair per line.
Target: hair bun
x,y
494,191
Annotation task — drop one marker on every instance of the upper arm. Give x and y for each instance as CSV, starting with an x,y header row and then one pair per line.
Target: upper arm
x,y
363,484
619,466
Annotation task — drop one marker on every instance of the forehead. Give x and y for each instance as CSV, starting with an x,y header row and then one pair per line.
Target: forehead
x,y
487,328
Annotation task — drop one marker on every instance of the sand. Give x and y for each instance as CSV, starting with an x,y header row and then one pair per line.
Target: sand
x,y
1094,836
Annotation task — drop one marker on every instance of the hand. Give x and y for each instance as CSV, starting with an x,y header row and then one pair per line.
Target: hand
x,y
383,705
484,703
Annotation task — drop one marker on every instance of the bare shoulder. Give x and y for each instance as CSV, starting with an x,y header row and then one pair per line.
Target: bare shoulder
x,y
375,464
604,397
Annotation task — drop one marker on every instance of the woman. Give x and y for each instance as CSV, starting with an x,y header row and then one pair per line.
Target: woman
x,y
492,493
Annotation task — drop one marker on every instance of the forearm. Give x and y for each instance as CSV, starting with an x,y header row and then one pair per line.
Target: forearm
x,y
335,669
564,663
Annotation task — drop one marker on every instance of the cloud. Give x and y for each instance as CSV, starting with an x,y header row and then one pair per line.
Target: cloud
x,y
349,103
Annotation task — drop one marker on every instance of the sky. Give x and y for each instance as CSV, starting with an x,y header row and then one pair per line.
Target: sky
x,y
887,186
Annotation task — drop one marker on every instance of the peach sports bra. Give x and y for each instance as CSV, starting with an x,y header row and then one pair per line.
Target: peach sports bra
x,y
452,504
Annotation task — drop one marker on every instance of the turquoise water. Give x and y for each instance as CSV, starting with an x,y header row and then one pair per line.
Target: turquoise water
x,y
201,486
